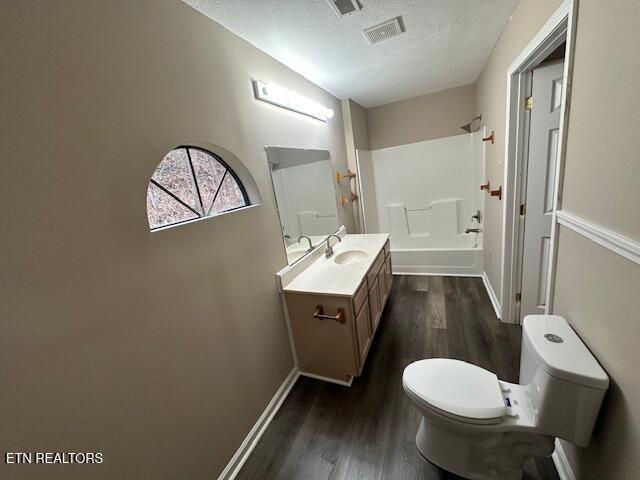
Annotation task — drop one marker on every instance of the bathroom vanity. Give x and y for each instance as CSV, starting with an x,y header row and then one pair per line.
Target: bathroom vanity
x,y
336,285
334,304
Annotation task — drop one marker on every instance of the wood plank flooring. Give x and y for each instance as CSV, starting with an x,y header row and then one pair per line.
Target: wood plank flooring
x,y
326,431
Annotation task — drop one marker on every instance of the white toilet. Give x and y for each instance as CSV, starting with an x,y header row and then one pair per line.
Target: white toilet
x,y
479,427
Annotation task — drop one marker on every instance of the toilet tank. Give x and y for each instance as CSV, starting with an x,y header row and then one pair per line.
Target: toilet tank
x,y
565,383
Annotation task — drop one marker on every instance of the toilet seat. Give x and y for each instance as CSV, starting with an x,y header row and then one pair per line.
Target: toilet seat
x,y
456,389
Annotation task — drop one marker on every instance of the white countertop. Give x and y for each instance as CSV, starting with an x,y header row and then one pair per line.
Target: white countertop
x,y
324,276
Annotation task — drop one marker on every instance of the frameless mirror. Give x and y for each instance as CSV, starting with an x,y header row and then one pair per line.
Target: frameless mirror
x,y
305,195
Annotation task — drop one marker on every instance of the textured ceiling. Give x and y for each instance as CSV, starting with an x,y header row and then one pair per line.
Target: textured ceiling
x,y
445,44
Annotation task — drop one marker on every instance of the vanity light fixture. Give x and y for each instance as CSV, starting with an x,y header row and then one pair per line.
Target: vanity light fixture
x,y
280,96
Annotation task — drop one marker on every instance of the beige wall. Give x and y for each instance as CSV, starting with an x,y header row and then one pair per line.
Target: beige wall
x,y
356,136
417,119
159,350
597,290
357,123
528,18
603,160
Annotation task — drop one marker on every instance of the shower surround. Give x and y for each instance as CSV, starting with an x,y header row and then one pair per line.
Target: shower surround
x,y
424,195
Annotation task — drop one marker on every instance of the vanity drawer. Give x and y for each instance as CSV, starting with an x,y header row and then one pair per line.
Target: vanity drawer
x,y
360,297
387,248
375,268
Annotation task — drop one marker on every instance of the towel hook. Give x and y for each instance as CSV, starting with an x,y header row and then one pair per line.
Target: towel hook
x,y
342,176
344,200
490,138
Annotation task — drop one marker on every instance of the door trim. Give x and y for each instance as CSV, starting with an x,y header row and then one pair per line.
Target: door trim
x,y
559,28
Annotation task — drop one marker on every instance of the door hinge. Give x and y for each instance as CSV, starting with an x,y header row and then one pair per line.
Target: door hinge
x,y
528,103
523,209
518,297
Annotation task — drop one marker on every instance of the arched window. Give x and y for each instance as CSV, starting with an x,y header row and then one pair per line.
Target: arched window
x,y
191,183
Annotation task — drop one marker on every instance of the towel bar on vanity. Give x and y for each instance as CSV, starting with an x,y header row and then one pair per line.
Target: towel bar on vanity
x,y
319,314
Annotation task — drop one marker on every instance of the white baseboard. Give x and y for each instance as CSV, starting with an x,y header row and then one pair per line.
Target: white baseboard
x,y
562,464
492,294
251,440
327,379
421,274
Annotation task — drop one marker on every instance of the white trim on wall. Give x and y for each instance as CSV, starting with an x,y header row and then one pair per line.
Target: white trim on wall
x,y
617,243
249,443
492,294
562,463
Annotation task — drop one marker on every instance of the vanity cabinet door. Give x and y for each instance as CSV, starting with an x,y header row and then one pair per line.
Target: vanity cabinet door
x,y
375,268
360,297
382,287
363,332
374,304
387,273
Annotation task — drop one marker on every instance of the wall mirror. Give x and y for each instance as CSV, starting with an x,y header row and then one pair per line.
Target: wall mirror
x,y
303,183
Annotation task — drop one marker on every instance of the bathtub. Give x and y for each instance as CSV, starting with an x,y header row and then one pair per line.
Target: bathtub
x,y
424,195
461,255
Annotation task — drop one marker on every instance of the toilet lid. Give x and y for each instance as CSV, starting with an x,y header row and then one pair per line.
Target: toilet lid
x,y
456,387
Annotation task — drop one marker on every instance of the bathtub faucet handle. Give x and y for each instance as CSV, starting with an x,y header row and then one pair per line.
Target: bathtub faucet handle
x,y
477,216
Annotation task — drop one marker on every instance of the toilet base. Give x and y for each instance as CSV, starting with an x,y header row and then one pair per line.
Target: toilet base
x,y
475,455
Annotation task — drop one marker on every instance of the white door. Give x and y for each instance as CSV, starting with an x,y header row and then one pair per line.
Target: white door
x,y
544,137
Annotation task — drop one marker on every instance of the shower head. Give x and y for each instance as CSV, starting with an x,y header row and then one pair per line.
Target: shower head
x,y
473,125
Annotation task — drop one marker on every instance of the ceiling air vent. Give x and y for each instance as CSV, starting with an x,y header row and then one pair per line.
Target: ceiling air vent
x,y
344,7
388,29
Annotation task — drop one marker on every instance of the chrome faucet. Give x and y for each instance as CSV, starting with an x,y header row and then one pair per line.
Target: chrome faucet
x,y
310,244
473,230
329,251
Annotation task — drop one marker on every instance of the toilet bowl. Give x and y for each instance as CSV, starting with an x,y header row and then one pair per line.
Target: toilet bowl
x,y
482,428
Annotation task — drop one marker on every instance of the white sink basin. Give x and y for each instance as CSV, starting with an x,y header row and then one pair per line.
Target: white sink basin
x,y
349,256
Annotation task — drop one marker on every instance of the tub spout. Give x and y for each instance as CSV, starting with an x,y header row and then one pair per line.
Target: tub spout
x,y
473,230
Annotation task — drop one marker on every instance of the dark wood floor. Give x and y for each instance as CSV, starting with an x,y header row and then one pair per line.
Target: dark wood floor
x,y
326,431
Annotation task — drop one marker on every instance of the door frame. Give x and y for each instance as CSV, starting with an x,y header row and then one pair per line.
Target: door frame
x,y
559,28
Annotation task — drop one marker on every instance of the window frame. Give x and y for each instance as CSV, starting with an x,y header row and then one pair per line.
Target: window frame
x,y
208,214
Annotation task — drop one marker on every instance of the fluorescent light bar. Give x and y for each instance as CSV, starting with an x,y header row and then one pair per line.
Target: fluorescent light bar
x,y
280,96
